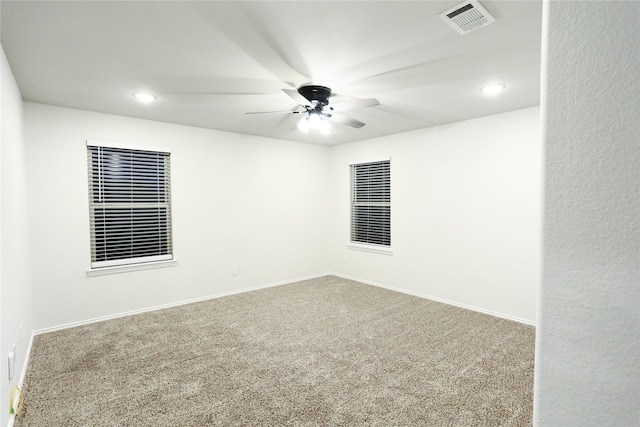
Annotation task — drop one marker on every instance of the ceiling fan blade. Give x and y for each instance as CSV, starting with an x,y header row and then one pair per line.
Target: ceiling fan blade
x,y
243,26
347,121
276,112
297,97
356,103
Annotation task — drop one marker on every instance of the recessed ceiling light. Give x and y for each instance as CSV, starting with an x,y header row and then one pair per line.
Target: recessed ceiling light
x,y
493,88
144,97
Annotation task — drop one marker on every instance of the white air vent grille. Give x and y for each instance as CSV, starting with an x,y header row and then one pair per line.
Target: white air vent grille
x,y
467,16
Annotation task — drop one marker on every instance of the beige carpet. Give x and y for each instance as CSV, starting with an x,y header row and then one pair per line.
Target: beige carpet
x,y
323,352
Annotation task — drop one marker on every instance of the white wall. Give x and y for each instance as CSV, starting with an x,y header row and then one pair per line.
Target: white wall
x,y
260,204
588,343
466,212
15,272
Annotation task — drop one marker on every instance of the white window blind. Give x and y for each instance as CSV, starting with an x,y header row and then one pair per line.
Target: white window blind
x,y
371,203
129,205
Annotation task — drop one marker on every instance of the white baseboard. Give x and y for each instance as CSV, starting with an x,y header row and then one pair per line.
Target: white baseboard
x,y
437,299
270,285
23,374
173,304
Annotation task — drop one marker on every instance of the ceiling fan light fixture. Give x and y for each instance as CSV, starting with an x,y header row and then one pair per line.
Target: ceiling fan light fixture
x,y
303,125
325,127
493,88
315,121
144,97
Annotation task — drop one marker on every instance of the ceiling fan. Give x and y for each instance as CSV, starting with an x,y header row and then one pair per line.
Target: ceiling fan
x,y
314,101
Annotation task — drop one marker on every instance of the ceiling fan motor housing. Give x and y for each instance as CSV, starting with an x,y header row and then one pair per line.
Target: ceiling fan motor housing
x,y
320,94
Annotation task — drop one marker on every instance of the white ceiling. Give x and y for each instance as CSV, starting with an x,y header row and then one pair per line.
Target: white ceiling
x,y
211,62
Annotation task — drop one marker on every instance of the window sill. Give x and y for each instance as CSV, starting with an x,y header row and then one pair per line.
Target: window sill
x,y
131,267
384,250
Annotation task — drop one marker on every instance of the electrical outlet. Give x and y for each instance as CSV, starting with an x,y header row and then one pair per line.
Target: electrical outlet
x,y
12,365
21,333
234,270
344,258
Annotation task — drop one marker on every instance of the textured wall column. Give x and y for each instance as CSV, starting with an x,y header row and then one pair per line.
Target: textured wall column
x,y
587,354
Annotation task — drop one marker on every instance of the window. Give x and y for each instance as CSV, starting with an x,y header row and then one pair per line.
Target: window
x,y
371,203
129,204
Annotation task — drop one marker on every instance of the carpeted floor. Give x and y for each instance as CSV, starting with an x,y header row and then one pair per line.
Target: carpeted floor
x,y
322,352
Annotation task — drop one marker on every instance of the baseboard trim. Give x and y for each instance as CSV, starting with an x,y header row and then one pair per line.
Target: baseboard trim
x,y
23,374
173,304
270,285
437,299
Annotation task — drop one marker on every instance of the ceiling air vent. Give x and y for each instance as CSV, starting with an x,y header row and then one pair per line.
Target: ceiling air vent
x,y
467,16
